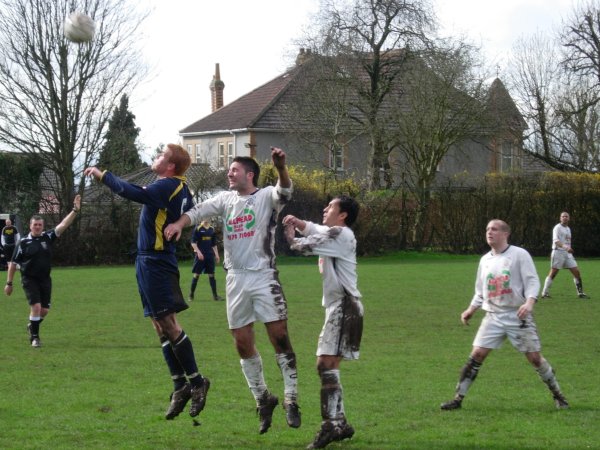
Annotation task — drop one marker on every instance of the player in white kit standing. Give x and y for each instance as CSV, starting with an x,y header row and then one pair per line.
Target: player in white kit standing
x,y
506,288
249,218
562,256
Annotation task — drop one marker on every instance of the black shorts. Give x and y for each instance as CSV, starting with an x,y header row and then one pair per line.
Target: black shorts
x,y
158,284
8,251
37,290
207,266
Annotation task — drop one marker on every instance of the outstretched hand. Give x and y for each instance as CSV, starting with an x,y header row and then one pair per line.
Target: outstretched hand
x,y
278,157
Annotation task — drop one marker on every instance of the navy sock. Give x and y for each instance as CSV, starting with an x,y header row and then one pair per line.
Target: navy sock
x,y
177,372
184,351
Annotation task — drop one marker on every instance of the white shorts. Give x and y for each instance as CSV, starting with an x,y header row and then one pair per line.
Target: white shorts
x,y
496,327
561,259
254,296
342,331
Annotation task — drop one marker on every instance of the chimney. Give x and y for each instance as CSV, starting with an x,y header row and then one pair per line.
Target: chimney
x,y
216,90
303,56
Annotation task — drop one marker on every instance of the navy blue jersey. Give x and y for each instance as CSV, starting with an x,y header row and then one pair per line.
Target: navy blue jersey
x,y
164,202
34,254
205,239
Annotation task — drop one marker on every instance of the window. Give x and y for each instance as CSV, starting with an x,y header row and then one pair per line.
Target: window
x,y
509,158
198,153
229,153
221,155
336,158
189,149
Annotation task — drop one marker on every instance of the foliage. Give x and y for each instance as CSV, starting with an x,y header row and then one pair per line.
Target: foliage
x,y
120,153
105,384
20,181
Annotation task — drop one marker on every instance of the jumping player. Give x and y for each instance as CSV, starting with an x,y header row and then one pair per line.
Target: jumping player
x,y
340,337
254,293
206,254
157,273
506,288
562,256
34,255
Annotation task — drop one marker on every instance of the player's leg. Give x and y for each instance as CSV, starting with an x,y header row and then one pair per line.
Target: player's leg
x,y
252,368
286,360
181,388
213,286
158,281
548,282
184,352
578,283
546,373
195,277
33,293
468,374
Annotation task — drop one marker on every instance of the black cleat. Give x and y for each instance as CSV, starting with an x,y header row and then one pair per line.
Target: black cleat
x,y
265,408
292,414
582,295
452,404
179,399
331,432
560,401
218,298
199,397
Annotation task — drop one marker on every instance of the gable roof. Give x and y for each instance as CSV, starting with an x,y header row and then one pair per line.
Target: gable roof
x,y
247,110
503,108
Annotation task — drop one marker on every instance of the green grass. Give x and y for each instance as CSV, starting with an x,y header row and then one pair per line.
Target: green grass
x,y
99,380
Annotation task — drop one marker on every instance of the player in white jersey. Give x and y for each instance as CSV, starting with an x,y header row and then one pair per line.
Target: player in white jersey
x,y
249,218
340,337
506,288
562,256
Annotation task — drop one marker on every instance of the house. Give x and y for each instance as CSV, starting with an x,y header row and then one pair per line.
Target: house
x,y
250,125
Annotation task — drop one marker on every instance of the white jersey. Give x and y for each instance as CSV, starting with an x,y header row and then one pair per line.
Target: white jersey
x,y
505,281
336,247
562,234
248,223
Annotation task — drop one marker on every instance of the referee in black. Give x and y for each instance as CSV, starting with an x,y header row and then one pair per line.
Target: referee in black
x,y
34,255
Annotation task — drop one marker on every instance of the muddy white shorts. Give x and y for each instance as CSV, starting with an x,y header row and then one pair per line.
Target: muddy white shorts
x,y
496,327
561,259
342,332
254,296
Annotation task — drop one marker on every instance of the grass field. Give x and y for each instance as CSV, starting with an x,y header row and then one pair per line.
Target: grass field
x,y
99,380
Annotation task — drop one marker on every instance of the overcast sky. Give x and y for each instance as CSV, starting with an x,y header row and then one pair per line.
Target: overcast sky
x,y
253,43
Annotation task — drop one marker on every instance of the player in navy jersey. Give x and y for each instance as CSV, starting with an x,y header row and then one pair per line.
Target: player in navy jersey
x,y
34,255
206,254
157,273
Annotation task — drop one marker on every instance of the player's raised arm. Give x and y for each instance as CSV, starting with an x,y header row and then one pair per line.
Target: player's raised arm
x,y
69,218
278,157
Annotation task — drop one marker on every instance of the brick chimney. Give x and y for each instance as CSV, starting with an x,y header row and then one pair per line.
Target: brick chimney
x,y
216,90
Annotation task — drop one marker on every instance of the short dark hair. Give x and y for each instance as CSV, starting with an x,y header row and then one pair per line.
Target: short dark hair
x,y
36,218
350,207
250,165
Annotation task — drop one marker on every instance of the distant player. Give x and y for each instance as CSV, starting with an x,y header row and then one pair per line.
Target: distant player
x,y
206,256
34,256
10,239
562,256
506,288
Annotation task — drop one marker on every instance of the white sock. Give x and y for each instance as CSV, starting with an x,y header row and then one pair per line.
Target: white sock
x,y
253,371
287,364
547,284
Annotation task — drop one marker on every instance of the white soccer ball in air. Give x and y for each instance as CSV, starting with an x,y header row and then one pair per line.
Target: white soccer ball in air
x,y
79,27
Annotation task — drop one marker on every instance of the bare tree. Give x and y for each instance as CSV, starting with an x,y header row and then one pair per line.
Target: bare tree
x,y
580,39
373,34
442,107
56,96
536,80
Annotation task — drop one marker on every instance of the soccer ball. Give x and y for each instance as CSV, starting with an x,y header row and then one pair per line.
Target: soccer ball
x,y
79,27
